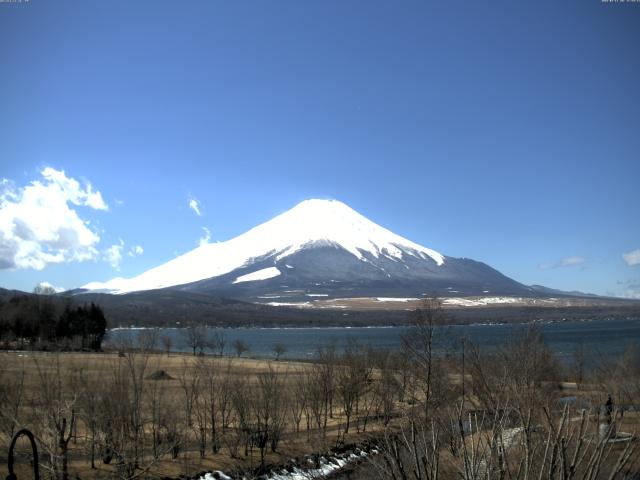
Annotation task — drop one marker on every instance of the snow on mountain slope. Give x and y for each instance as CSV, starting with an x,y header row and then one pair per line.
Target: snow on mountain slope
x,y
308,224
263,274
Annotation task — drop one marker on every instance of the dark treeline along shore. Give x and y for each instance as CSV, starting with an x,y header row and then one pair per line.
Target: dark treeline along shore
x,y
43,322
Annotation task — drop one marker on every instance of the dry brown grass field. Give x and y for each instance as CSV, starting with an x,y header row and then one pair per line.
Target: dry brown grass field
x,y
181,378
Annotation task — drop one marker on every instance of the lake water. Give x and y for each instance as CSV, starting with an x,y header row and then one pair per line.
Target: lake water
x,y
608,337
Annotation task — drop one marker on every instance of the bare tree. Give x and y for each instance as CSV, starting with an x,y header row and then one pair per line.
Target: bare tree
x,y
167,344
517,373
213,393
579,357
241,400
268,412
240,347
195,337
419,343
386,389
218,342
157,409
90,393
189,378
317,388
148,339
136,367
201,406
297,401
562,447
225,394
619,376
55,407
12,387
279,349
352,378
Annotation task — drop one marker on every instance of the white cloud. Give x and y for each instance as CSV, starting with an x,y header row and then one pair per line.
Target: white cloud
x,y
564,262
38,224
75,194
206,238
113,254
135,251
571,261
194,205
632,258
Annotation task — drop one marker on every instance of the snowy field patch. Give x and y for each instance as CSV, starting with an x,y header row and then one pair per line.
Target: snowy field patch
x,y
391,299
480,301
291,304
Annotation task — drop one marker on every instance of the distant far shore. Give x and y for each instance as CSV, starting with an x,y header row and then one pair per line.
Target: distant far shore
x,y
290,317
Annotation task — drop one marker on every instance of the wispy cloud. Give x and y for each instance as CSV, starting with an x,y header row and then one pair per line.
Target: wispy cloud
x,y
39,223
571,261
113,254
194,205
206,238
632,258
135,251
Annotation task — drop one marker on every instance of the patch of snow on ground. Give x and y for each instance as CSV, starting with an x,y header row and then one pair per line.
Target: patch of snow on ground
x,y
317,294
479,301
327,466
285,304
219,474
391,299
263,274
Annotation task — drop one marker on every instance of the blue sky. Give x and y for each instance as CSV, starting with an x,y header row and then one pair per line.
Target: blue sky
x,y
507,132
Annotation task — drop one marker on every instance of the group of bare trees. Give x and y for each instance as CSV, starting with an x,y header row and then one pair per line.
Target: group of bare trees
x,y
130,411
498,414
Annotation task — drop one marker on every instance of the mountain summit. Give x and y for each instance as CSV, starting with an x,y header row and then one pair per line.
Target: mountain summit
x,y
323,248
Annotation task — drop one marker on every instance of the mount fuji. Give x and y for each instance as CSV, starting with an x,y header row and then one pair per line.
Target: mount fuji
x,y
319,248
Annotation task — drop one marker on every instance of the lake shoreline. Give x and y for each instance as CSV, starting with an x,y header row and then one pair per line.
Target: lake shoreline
x,y
603,336
389,326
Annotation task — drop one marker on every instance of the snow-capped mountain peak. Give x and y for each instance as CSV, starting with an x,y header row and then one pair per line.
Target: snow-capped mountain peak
x,y
309,224
334,222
